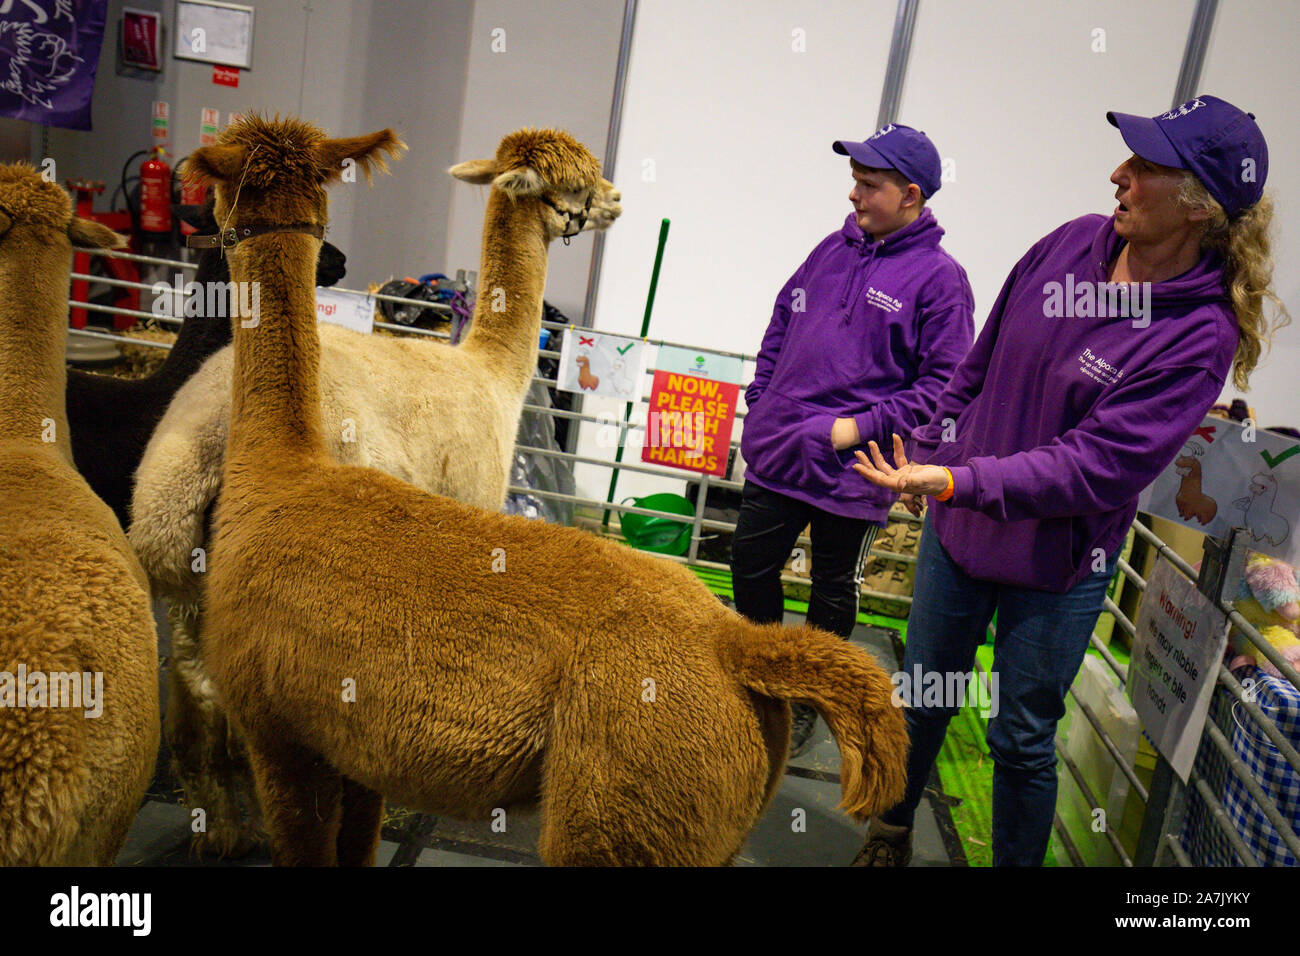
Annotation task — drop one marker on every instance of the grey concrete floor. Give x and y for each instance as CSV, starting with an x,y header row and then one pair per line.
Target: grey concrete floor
x,y
826,837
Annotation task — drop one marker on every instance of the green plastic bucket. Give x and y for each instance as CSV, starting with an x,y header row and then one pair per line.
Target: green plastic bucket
x,y
653,533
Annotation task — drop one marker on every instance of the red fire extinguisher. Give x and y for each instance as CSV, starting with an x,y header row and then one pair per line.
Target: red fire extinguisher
x,y
192,194
155,194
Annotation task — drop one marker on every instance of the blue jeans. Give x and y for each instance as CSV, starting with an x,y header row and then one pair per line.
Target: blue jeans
x,y
1040,642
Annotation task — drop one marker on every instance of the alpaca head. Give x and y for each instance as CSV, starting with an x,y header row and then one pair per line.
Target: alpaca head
x,y
554,168
1263,486
37,213
274,172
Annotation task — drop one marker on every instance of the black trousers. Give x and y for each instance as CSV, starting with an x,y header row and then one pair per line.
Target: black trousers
x,y
766,531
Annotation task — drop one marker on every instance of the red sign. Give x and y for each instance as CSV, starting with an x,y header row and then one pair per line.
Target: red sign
x,y
689,423
225,76
140,40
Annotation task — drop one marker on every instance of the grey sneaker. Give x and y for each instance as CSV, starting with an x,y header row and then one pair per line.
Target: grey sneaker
x,y
885,846
803,720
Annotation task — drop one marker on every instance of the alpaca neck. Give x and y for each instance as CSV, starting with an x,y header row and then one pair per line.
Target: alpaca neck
x,y
512,278
275,402
33,336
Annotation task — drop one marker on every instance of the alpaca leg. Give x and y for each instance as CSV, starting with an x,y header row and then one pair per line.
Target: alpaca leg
x,y
197,731
301,797
363,815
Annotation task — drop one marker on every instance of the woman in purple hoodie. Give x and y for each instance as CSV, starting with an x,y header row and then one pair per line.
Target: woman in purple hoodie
x,y
862,340
1110,340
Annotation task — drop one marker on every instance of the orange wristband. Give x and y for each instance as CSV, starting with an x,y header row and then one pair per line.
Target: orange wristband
x,y
947,492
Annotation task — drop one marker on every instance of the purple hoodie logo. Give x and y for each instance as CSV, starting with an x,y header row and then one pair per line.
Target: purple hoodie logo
x,y
882,300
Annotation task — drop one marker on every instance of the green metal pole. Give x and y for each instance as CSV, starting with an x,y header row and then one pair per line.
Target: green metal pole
x,y
645,329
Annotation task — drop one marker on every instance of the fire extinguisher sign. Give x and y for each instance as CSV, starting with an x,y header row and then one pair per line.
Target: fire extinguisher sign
x,y
158,120
208,127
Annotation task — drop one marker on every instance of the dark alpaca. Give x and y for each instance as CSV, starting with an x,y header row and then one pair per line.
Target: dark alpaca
x,y
112,419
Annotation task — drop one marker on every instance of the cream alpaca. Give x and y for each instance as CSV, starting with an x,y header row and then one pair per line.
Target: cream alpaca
x,y
507,688
79,712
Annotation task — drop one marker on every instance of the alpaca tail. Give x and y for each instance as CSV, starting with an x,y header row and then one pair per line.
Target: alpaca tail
x,y
846,686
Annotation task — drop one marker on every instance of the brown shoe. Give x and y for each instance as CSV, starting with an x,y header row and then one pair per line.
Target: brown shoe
x,y
885,846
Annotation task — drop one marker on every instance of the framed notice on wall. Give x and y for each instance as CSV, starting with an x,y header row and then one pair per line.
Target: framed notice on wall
x,y
220,33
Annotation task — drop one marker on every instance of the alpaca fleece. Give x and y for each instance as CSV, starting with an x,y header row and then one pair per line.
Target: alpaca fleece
x,y
73,597
443,419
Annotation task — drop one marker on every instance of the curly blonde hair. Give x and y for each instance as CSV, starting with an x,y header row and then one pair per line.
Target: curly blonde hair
x,y
1247,251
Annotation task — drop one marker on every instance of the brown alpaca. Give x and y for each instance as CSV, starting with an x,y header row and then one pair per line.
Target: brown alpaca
x,y
585,378
649,722
73,599
442,418
1191,501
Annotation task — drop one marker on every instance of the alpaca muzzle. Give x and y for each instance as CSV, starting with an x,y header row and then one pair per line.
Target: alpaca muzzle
x,y
569,217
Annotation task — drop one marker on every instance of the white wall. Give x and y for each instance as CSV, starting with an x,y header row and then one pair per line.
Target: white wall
x,y
557,70
1252,63
1013,93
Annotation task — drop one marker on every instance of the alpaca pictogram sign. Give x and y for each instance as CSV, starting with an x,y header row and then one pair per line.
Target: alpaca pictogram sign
x,y
1234,476
598,363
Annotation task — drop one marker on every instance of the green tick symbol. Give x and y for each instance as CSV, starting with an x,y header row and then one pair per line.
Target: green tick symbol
x,y
624,349
1274,462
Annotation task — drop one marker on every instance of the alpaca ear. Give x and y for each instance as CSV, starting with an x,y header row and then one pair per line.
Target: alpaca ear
x,y
369,152
213,163
480,172
519,182
87,232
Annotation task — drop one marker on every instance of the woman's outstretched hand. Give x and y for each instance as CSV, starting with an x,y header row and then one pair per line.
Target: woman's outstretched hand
x,y
907,478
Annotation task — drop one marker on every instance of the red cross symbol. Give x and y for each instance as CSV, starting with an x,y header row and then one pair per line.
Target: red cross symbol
x,y
1206,432
583,340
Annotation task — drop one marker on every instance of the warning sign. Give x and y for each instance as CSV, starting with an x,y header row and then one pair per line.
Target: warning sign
x,y
1180,640
689,422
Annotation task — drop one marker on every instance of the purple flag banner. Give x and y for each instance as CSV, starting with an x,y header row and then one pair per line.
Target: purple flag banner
x,y
49,52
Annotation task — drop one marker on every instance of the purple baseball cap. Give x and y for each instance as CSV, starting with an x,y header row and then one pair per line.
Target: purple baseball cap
x,y
898,147
1219,143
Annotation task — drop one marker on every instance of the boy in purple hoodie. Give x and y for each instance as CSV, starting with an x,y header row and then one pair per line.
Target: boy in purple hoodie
x,y
1110,340
863,338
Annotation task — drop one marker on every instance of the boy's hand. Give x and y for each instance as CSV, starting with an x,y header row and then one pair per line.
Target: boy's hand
x,y
844,434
